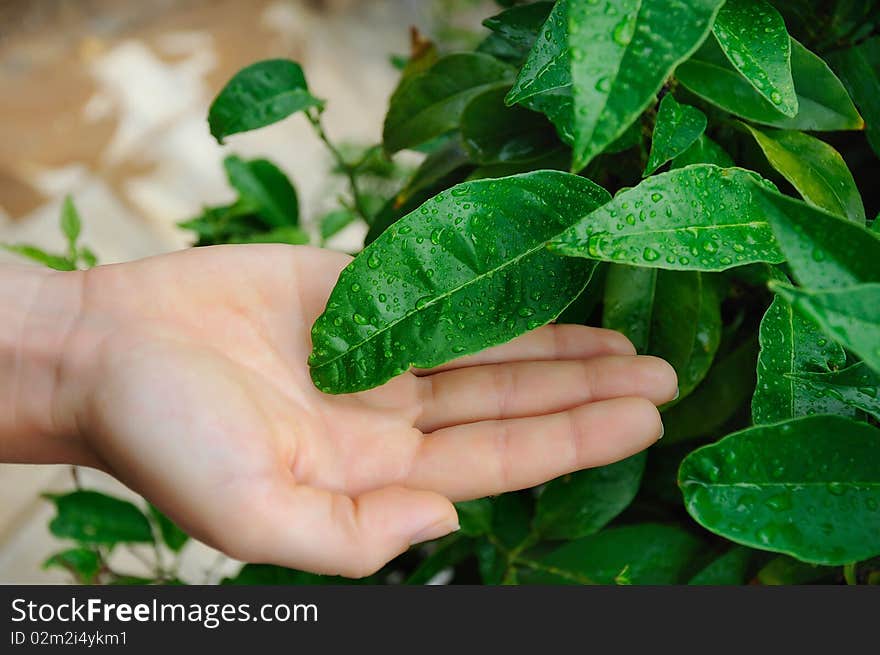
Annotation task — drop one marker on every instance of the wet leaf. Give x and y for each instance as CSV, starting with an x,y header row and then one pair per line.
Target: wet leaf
x,y
753,36
814,168
547,67
703,151
92,517
797,487
259,95
518,28
469,269
731,568
859,68
677,127
823,103
428,104
621,53
582,503
857,386
264,189
700,217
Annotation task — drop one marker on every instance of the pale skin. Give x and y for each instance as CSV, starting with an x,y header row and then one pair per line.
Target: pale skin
x,y
185,377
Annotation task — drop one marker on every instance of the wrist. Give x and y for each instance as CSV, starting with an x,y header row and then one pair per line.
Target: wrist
x,y
41,311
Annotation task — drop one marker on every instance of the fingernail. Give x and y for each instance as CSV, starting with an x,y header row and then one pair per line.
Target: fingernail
x,y
677,394
662,431
435,531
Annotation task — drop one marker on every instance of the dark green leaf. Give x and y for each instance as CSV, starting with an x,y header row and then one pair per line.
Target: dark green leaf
x,y
71,225
814,168
428,104
753,36
268,574
731,568
784,570
581,503
859,68
808,487
174,537
857,386
512,518
790,344
700,217
475,516
57,262
449,552
850,315
645,554
264,189
703,151
92,517
616,78
676,129
518,27
823,103
259,95
435,169
547,67
83,563
469,269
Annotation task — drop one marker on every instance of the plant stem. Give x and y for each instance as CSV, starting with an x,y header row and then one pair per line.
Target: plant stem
x,y
350,170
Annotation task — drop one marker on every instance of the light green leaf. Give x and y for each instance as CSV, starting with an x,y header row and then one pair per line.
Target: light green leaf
x,y
265,189
71,225
703,151
422,293
676,129
791,343
56,262
753,36
335,221
290,235
428,104
92,517
857,386
859,68
731,568
259,95
646,553
621,53
700,217
582,503
814,168
823,103
808,487
850,315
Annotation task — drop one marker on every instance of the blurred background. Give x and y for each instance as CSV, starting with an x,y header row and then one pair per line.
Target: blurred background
x,y
107,100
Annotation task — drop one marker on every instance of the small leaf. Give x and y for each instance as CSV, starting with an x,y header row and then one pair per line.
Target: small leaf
x,y
808,487
857,386
547,67
289,235
790,344
753,36
419,295
174,537
83,563
676,129
582,503
56,262
268,574
703,151
651,554
426,105
814,168
71,224
335,221
616,78
701,217
92,517
518,28
265,189
731,568
859,68
259,95
475,516
850,315
823,103
89,258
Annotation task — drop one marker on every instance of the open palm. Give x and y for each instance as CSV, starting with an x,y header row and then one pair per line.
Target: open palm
x,y
198,396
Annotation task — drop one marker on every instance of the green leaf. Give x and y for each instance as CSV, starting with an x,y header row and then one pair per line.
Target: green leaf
x,y
859,68
676,129
824,250
469,269
616,78
449,552
71,225
857,386
784,570
675,315
92,517
494,133
582,503
752,35
265,189
268,574
259,95
83,563
814,168
822,100
703,151
518,27
731,568
435,169
335,221
290,235
57,262
808,487
89,258
646,553
547,67
475,516
792,344
512,518
850,315
174,537
426,105
700,217
726,387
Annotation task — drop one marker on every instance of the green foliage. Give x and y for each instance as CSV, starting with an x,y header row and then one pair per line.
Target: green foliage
x,y
747,264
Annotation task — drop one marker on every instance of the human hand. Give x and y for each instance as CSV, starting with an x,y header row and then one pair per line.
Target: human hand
x,y
185,377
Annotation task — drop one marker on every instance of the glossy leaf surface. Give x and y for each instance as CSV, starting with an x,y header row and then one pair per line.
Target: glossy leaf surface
x,y
731,568
677,127
857,386
703,151
264,189
859,68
